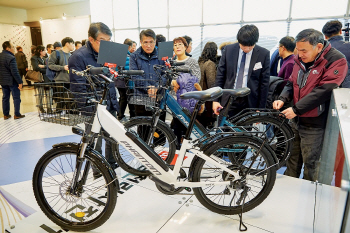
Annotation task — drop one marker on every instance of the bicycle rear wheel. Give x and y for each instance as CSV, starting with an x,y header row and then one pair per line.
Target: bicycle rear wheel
x,y
255,179
163,143
90,206
282,140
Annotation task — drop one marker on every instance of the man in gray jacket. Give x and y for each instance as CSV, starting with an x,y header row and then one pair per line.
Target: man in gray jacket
x,y
10,81
59,62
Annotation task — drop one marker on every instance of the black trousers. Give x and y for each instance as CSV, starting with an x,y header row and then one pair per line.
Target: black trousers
x,y
123,102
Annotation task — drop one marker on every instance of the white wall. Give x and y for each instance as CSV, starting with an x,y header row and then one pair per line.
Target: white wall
x,y
55,12
57,29
9,15
18,35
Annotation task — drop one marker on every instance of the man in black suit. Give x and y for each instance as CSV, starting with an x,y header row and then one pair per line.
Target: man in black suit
x,y
244,64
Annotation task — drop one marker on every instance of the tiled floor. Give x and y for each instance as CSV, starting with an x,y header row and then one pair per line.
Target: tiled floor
x,y
288,209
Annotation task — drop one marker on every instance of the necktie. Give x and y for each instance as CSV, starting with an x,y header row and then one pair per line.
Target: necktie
x,y
239,81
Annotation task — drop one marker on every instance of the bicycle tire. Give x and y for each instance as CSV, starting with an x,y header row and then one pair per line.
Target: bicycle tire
x,y
165,146
53,174
221,202
284,135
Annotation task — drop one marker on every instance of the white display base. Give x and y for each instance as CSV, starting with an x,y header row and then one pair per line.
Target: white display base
x,y
142,208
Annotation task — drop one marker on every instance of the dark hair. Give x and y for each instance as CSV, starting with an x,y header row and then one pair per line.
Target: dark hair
x,y
188,39
160,38
83,42
248,35
18,48
147,33
134,42
332,28
310,35
32,49
183,40
209,52
288,42
97,28
38,49
6,45
128,42
77,42
66,40
48,46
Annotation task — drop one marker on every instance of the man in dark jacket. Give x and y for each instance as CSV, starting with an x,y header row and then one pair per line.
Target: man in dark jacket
x,y
332,31
143,59
318,69
10,81
22,63
244,64
87,55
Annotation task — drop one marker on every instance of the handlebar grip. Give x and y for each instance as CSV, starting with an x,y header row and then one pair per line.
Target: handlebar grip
x,y
98,70
132,72
183,70
178,63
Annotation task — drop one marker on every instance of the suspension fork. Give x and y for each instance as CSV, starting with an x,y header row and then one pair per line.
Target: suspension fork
x,y
87,139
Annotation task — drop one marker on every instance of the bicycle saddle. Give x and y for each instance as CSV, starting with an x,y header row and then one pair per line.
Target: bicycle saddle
x,y
240,92
207,95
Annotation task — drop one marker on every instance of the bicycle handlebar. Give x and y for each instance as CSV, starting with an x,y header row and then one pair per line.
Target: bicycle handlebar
x,y
181,69
131,72
179,63
98,70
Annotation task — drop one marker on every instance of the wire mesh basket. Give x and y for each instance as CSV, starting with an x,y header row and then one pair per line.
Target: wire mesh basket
x,y
57,104
144,90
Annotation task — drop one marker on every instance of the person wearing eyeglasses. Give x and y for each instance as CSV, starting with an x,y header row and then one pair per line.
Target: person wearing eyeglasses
x,y
144,58
80,59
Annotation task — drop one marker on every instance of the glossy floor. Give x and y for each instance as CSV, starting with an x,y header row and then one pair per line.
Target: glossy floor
x,y
289,208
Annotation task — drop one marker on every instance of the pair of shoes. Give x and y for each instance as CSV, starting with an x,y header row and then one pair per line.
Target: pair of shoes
x,y
7,117
19,117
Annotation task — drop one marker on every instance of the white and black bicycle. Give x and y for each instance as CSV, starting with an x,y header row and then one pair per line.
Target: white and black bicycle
x,y
232,171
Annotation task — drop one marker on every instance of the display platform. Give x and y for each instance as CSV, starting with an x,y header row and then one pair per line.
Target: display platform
x,y
141,207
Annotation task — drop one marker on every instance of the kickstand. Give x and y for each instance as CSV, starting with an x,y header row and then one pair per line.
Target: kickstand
x,y
242,226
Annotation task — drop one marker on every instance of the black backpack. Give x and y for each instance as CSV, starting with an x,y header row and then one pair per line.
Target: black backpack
x,y
275,89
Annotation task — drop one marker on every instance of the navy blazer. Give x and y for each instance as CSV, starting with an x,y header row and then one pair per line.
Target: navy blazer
x,y
258,80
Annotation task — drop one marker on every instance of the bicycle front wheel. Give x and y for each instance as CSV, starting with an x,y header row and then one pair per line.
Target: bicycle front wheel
x,y
255,179
91,204
163,142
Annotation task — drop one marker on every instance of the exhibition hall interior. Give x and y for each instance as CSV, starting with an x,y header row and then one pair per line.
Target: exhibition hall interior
x,y
166,116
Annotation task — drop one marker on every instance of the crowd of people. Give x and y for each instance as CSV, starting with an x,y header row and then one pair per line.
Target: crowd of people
x,y
310,66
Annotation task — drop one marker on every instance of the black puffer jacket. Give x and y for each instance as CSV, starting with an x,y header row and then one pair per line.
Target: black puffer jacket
x,y
9,74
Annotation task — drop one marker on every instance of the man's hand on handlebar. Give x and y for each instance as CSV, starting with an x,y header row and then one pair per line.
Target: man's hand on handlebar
x,y
217,107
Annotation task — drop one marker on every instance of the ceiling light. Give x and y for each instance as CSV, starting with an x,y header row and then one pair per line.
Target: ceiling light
x,y
64,16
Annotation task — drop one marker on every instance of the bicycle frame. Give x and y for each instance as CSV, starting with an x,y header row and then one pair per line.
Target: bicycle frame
x,y
117,131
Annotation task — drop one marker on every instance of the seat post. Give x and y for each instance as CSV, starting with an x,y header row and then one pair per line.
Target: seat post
x,y
193,119
224,112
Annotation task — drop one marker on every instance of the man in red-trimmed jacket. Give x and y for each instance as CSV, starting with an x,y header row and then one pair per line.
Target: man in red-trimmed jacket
x,y
318,69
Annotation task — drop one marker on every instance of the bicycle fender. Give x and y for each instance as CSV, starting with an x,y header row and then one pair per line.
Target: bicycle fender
x,y
93,156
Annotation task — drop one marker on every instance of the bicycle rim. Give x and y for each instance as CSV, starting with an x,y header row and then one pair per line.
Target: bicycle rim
x,y
246,191
93,202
